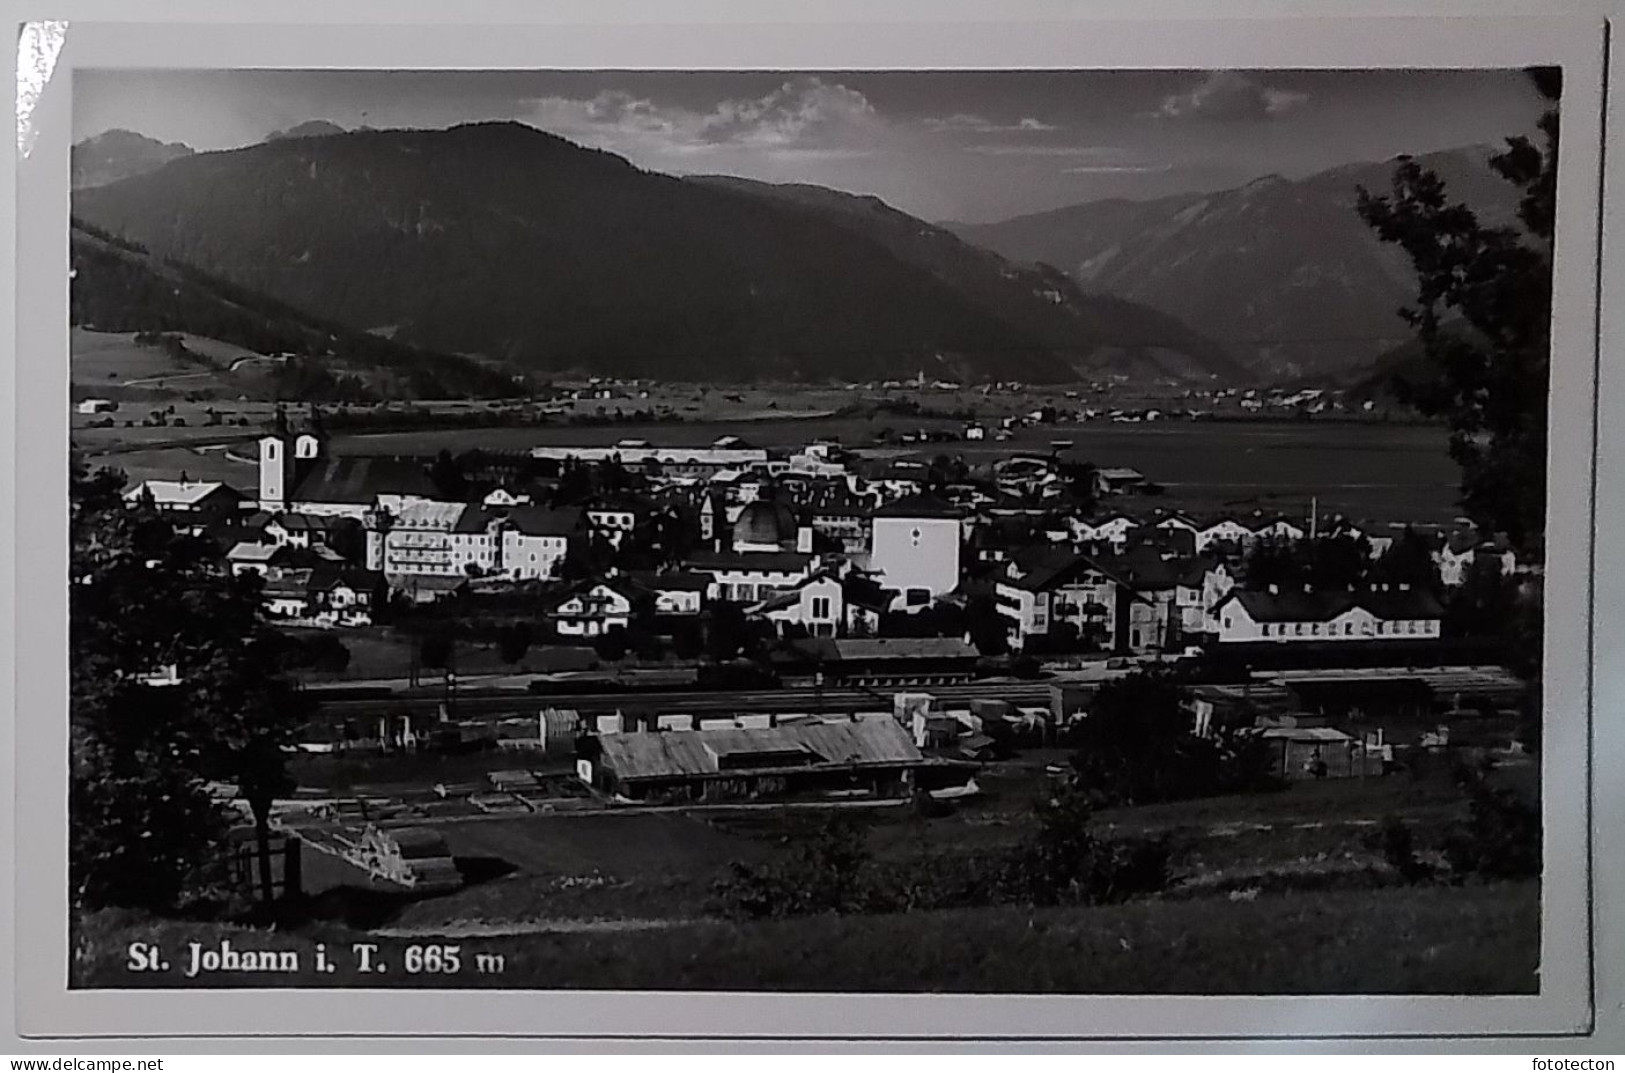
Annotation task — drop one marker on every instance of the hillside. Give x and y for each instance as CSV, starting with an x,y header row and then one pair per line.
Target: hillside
x,y
500,240
119,286
120,154
1282,273
1142,342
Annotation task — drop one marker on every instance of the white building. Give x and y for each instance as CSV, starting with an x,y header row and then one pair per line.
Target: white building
x,y
816,602
422,539
535,540
1060,586
748,577
1399,614
915,548
590,609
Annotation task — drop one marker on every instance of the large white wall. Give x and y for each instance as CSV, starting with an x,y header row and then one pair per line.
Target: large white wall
x,y
917,553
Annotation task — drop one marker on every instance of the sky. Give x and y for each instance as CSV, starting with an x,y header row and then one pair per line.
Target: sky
x,y
943,145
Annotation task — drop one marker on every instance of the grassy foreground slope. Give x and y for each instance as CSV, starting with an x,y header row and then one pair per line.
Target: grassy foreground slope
x,y
1428,940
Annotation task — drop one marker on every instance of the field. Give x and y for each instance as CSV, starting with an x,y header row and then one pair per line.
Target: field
x,y
1374,472
1366,467
1370,470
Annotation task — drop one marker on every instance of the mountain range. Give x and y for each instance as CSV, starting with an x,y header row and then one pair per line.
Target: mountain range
x,y
516,247
1281,273
499,240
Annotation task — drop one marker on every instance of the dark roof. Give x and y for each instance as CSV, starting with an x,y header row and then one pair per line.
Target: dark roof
x,y
535,520
765,522
866,592
295,522
920,505
674,580
785,561
870,648
1144,570
1397,604
476,519
1291,606
1049,568
286,583
1323,605
360,479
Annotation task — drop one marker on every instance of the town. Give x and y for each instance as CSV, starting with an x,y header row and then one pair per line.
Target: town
x,y
751,625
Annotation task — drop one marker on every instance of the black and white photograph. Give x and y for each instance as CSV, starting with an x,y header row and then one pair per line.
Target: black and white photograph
x,y
814,531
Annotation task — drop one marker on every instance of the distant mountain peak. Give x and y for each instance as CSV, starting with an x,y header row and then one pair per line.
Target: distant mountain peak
x,y
120,154
311,128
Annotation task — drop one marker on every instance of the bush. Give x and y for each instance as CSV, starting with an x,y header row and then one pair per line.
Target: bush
x,y
821,874
513,641
1501,837
829,869
612,645
1137,746
687,640
436,650
1398,848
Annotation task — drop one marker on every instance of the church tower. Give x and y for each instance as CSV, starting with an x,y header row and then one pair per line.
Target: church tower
x,y
276,465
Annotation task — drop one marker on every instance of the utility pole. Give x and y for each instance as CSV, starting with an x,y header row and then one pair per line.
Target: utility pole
x,y
1314,517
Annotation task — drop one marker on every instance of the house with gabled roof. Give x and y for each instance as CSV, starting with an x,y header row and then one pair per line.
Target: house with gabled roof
x,y
191,504
1043,586
1277,615
591,607
677,593
816,603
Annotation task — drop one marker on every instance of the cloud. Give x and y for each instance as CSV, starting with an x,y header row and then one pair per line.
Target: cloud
x,y
1102,152
804,116
965,121
1117,169
1230,96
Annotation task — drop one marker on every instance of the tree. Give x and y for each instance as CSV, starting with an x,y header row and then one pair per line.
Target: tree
x,y
436,650
612,644
728,634
348,537
1081,488
1408,561
1274,562
514,641
447,477
145,600
1337,562
1138,745
1482,316
1484,604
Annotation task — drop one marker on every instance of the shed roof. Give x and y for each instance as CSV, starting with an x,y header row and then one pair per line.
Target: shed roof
x,y
679,753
